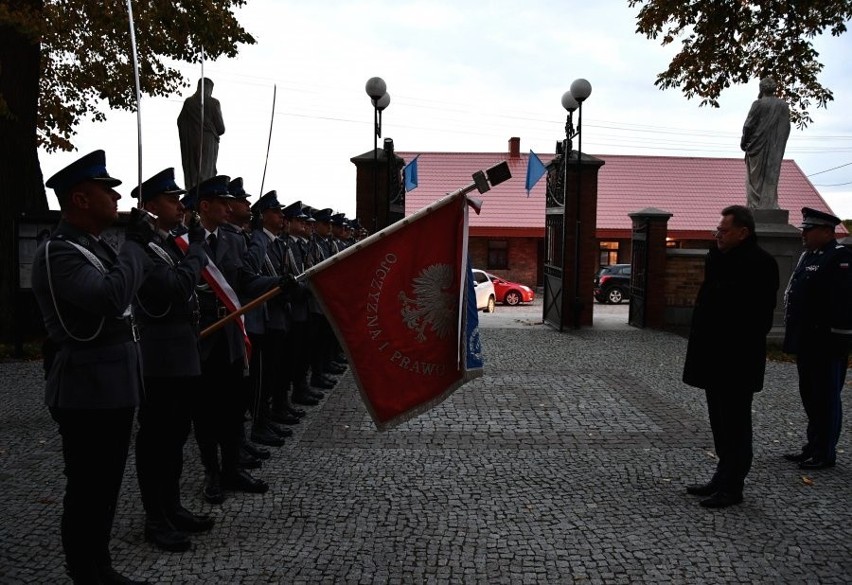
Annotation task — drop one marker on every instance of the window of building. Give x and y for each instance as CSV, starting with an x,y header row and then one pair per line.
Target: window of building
x,y
498,254
609,253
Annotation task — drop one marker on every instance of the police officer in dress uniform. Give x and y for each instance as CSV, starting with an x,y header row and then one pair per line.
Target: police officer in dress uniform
x,y
92,360
323,247
819,330
166,308
219,407
270,379
240,222
298,349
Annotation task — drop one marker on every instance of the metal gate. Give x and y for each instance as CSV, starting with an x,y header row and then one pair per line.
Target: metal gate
x,y
639,275
553,271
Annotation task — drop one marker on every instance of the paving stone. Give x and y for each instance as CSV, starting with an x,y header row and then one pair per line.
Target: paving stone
x,y
565,462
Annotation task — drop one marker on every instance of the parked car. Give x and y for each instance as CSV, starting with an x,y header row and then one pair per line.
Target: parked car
x,y
486,298
511,293
612,284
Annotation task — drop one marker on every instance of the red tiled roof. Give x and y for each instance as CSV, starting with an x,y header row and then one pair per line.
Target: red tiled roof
x,y
693,189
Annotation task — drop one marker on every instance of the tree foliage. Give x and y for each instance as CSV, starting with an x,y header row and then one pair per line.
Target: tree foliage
x,y
86,59
726,42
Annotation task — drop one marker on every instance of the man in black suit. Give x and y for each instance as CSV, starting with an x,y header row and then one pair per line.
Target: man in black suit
x,y
167,311
726,354
92,361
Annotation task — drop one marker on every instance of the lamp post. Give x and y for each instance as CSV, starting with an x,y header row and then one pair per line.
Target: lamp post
x,y
376,88
580,90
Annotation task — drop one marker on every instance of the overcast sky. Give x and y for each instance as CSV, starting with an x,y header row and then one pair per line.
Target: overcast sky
x,y
463,77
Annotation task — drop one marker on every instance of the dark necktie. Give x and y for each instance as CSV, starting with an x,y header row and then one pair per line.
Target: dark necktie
x,y
211,241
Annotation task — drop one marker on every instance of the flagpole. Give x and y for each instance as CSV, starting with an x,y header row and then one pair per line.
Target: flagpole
x,y
198,178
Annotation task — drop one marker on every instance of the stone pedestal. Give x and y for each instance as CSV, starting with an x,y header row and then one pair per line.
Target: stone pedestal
x,y
784,242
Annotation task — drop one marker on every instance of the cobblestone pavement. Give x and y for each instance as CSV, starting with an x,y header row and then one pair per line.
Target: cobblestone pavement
x,y
565,463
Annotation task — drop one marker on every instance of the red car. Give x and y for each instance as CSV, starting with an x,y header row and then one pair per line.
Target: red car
x,y
511,293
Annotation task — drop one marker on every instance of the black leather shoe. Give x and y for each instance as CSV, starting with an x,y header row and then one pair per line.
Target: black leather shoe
x,y
297,412
321,383
722,500
109,576
256,451
335,368
266,437
212,491
279,430
284,418
305,400
797,457
186,521
701,489
242,481
166,537
814,463
315,394
248,461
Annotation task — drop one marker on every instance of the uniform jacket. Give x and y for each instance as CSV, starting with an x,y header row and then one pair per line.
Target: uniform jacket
x,y
267,254
167,311
732,316
297,251
230,259
76,298
818,301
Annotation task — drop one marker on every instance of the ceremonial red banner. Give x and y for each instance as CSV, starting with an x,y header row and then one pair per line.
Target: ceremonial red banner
x,y
394,301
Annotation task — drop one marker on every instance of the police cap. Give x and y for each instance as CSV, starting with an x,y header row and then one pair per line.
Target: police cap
x,y
814,218
162,182
236,189
91,167
294,211
268,201
214,187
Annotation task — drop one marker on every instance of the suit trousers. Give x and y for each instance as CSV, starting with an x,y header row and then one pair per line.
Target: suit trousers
x,y
218,407
730,420
164,425
94,448
821,379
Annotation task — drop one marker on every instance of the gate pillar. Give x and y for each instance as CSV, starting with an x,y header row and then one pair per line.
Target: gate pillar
x,y
648,268
570,240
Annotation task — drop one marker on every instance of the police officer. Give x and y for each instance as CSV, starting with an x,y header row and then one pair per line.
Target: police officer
x,y
271,379
220,406
84,290
819,331
298,349
167,312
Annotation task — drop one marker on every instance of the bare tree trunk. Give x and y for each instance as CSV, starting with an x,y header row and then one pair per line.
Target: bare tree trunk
x,y
21,186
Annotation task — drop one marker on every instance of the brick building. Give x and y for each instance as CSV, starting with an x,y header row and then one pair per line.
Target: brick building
x,y
507,237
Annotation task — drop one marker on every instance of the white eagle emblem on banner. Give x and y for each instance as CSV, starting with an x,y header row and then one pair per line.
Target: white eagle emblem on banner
x,y
434,302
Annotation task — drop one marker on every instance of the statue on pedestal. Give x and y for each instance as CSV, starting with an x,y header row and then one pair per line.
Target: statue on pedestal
x,y
764,140
199,131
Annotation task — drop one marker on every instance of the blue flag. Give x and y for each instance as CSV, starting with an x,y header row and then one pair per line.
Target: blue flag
x,y
410,174
535,170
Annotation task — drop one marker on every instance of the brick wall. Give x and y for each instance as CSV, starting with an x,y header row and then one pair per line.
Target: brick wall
x,y
683,275
523,258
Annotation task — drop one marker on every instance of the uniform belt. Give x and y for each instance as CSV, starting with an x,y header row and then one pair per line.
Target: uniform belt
x,y
113,337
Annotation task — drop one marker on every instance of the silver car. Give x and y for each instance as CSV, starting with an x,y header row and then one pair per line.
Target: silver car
x,y
486,298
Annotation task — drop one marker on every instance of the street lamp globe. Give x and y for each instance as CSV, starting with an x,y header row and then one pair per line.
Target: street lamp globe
x,y
381,103
581,89
376,87
568,102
